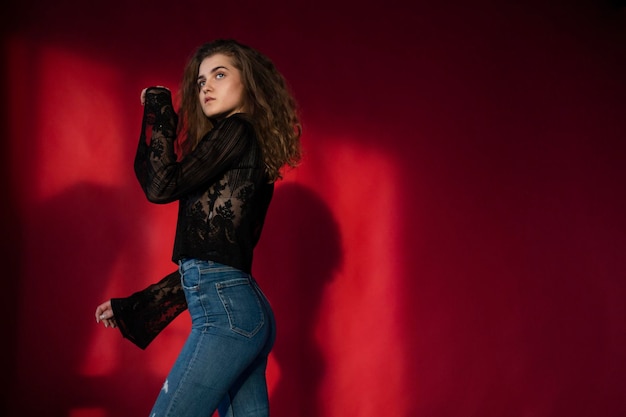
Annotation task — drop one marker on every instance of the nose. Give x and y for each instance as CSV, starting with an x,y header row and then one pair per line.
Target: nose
x,y
207,87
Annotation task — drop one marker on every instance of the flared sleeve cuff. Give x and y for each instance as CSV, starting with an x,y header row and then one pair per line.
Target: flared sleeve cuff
x,y
143,315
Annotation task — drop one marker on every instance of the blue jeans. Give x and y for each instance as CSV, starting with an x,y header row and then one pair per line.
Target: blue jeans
x,y
222,364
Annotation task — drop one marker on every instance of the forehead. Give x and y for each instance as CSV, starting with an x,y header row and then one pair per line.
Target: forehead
x,y
214,61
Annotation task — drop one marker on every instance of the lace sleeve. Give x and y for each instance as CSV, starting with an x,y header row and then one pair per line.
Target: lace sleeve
x,y
162,177
144,314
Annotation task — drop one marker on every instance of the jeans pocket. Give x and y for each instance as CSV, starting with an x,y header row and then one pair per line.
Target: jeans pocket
x,y
242,304
190,279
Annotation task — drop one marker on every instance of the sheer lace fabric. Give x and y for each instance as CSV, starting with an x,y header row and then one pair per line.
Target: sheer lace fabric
x,y
223,196
143,315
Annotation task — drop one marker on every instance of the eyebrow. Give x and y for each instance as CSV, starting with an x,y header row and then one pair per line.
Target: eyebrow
x,y
200,77
218,67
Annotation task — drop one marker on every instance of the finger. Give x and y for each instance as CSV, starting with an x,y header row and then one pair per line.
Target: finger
x,y
106,315
103,315
98,314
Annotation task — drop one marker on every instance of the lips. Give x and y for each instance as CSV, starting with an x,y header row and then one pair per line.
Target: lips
x,y
207,99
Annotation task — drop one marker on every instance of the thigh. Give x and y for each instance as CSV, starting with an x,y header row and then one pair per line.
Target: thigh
x,y
209,365
249,395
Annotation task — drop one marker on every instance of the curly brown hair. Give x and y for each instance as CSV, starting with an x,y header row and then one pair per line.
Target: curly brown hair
x,y
269,103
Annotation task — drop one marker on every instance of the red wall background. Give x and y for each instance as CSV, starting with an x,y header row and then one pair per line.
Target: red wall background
x,y
452,245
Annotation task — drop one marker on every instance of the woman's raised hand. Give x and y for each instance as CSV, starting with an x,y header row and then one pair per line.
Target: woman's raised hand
x,y
143,94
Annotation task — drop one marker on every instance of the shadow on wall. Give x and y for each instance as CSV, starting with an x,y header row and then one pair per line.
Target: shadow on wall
x,y
74,240
299,255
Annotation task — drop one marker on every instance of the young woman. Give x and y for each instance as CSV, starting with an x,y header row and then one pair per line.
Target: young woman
x,y
237,128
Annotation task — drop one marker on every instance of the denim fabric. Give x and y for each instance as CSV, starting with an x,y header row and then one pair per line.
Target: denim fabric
x,y
223,362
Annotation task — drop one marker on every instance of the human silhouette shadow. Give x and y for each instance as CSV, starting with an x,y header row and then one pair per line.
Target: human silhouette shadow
x,y
299,254
74,239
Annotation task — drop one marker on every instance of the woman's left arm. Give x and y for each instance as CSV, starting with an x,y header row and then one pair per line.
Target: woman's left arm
x,y
162,177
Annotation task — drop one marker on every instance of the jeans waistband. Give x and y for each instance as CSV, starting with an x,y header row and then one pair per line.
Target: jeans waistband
x,y
187,263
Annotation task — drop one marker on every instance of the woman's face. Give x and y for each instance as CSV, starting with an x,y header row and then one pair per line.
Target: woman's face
x,y
220,89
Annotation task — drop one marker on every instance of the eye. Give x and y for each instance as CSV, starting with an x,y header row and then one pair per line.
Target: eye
x,y
201,84
220,75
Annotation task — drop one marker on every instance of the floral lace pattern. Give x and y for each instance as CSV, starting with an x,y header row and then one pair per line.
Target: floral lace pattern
x,y
143,315
223,196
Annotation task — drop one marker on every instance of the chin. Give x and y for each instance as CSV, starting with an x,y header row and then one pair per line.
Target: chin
x,y
213,116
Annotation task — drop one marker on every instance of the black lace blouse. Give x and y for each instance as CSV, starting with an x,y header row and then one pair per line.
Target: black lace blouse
x,y
223,194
